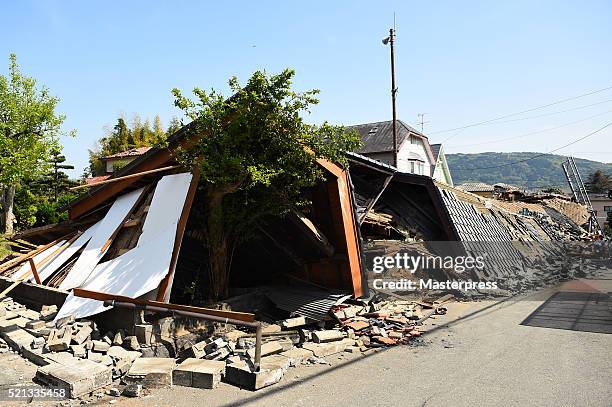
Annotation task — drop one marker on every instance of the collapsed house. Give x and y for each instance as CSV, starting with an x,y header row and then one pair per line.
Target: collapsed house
x,y
134,236
525,242
133,250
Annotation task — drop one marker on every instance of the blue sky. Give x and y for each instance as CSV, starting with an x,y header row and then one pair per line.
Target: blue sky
x,y
458,62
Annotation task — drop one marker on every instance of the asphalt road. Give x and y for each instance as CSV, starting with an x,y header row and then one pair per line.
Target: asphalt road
x,y
479,355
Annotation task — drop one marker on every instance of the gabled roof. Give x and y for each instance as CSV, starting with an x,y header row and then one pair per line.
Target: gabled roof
x,y
378,137
133,152
435,149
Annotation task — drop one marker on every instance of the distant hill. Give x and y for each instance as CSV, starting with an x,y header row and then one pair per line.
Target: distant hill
x,y
538,173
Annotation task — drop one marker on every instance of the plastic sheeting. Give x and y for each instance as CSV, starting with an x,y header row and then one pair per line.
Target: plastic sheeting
x,y
141,269
47,270
93,253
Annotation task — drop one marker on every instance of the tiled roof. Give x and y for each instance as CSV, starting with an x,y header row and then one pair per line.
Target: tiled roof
x,y
133,152
476,187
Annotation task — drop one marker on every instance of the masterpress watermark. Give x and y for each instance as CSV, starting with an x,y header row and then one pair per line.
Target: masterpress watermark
x,y
28,394
408,262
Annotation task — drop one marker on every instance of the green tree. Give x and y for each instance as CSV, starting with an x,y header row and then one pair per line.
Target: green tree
x,y
256,158
174,126
599,182
29,131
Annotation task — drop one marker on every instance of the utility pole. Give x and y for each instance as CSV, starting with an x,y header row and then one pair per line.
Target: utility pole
x,y
390,40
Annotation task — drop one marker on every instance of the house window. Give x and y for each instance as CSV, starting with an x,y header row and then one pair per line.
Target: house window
x,y
607,208
412,167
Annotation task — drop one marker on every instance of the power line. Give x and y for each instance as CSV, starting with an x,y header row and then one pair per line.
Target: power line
x,y
533,132
523,111
541,154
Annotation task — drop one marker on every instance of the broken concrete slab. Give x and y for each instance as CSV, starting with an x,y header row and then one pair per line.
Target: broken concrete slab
x,y
9,324
200,373
268,348
17,338
297,355
240,374
329,348
151,371
79,378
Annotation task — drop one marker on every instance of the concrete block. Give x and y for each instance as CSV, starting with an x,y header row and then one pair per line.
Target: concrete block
x,y
17,338
78,351
81,335
269,329
117,352
35,324
269,348
297,355
132,390
131,342
219,354
62,322
214,345
151,371
200,373
100,346
196,350
94,356
29,314
144,333
240,374
10,324
118,339
58,344
327,336
80,378
294,322
38,343
121,368
325,349
233,336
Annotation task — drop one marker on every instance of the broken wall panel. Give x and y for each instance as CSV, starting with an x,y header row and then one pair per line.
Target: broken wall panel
x,y
66,254
95,248
140,270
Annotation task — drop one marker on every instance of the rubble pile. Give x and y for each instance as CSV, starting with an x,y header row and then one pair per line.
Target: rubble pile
x,y
71,354
76,355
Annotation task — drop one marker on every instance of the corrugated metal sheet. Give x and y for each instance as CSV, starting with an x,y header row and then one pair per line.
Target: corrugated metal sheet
x,y
306,301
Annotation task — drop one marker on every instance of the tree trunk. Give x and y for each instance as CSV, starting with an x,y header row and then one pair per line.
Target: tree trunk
x,y
218,247
7,221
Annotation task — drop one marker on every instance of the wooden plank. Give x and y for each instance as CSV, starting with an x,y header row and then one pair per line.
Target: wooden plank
x,y
96,295
34,271
163,291
25,257
138,174
42,262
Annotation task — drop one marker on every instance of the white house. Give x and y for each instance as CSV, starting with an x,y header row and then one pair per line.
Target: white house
x,y
414,154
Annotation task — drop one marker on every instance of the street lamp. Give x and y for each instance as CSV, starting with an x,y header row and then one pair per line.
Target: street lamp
x,y
385,41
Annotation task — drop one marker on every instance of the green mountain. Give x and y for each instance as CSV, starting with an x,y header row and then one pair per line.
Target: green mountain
x,y
541,172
